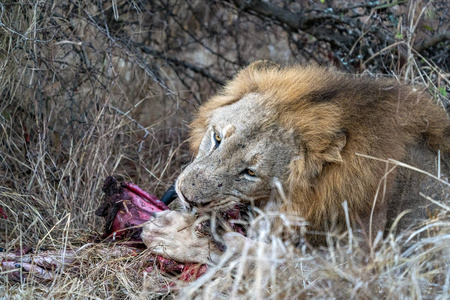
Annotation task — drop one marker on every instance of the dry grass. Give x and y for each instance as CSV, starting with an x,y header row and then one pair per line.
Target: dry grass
x,y
401,267
73,113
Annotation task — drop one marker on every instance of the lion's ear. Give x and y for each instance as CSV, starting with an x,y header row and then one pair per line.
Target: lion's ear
x,y
316,160
333,153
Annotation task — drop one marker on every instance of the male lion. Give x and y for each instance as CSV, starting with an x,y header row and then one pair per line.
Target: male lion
x,y
324,137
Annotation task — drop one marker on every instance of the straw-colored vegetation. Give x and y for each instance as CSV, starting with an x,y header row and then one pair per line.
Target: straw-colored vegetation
x,y
91,89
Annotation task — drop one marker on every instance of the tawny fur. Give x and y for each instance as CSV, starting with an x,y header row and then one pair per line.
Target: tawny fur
x,y
335,117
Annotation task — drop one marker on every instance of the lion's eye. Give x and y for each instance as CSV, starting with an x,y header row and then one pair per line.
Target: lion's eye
x,y
217,139
249,172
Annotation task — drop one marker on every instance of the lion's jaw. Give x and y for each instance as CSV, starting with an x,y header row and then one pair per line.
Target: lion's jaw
x,y
239,159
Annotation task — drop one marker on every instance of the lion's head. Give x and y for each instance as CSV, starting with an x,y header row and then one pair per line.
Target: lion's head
x,y
241,157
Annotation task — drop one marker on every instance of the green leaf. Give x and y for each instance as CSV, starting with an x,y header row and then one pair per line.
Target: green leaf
x,y
429,28
393,20
443,91
6,115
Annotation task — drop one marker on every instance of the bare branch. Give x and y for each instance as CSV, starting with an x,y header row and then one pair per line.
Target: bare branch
x,y
432,41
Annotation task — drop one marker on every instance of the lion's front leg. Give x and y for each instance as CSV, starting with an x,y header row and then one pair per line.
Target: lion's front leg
x,y
172,234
